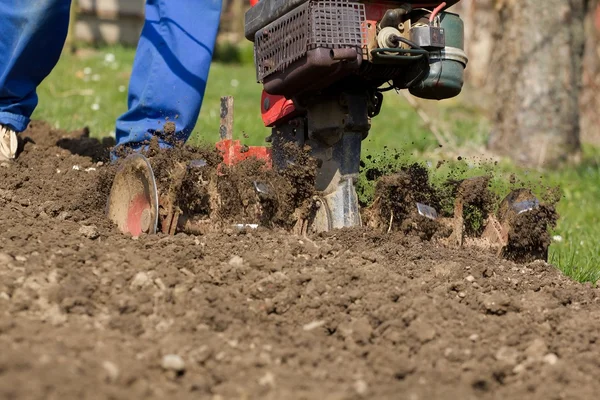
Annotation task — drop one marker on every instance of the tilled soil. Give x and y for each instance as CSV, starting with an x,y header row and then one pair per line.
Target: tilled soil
x,y
87,313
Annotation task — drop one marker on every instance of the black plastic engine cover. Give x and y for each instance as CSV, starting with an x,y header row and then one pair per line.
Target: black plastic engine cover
x,y
319,69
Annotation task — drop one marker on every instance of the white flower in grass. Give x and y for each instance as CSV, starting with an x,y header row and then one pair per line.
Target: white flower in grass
x,y
109,58
235,83
122,88
95,77
87,70
95,106
557,238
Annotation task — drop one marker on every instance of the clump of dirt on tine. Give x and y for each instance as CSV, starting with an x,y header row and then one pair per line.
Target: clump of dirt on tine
x,y
250,192
397,195
478,201
529,235
395,204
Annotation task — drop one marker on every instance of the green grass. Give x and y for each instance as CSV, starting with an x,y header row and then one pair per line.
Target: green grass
x,y
91,91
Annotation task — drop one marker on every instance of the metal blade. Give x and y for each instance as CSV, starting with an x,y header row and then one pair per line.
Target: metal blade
x,y
427,211
133,201
198,163
262,190
525,206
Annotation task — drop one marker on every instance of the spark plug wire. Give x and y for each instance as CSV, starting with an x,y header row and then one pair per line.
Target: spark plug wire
x,y
436,11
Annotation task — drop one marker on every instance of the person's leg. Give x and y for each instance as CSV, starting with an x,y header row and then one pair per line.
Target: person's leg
x,y
32,34
170,71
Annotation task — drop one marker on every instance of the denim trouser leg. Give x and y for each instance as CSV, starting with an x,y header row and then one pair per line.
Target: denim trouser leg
x,y
32,35
170,70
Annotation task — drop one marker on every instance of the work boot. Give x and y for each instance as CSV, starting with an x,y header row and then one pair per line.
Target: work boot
x,y
8,143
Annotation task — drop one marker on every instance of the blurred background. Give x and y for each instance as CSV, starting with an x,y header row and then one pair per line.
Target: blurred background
x,y
528,113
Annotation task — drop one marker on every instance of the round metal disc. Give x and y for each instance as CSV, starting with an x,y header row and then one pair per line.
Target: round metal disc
x,y
133,201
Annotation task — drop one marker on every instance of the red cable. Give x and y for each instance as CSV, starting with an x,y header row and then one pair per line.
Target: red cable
x,y
436,11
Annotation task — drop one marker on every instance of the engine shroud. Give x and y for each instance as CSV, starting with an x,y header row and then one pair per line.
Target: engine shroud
x,y
267,11
318,43
311,46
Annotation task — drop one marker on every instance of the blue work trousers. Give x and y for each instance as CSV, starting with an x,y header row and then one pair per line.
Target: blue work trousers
x,y
169,72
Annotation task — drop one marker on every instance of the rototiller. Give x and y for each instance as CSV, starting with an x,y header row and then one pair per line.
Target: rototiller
x,y
324,66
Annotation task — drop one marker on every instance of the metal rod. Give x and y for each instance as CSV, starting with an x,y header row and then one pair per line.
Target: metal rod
x,y
226,129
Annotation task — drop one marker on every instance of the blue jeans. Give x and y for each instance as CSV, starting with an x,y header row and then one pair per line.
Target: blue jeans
x,y
169,72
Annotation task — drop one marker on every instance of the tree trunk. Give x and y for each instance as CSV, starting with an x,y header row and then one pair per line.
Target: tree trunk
x,y
590,92
536,71
481,21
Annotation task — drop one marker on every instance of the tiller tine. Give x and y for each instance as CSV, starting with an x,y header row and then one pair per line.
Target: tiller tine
x,y
133,201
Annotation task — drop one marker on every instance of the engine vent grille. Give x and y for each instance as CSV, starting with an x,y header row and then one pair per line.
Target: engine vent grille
x,y
331,24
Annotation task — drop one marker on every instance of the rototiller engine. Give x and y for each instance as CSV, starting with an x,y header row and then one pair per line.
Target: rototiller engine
x,y
324,66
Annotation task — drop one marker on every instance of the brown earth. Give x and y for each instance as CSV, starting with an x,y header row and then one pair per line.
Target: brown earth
x,y
87,313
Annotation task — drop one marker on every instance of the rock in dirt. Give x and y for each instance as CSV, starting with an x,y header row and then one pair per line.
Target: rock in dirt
x,y
173,362
140,280
498,303
89,231
111,370
361,387
550,359
313,325
268,379
236,261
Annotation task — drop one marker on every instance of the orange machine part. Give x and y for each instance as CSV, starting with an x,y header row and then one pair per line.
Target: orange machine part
x,y
234,152
275,109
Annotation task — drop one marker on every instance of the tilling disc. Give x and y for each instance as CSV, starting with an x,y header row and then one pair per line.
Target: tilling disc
x,y
133,201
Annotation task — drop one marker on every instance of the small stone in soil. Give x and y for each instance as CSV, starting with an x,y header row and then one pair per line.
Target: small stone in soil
x,y
112,371
89,231
268,379
140,280
173,362
313,325
360,386
550,359
236,261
